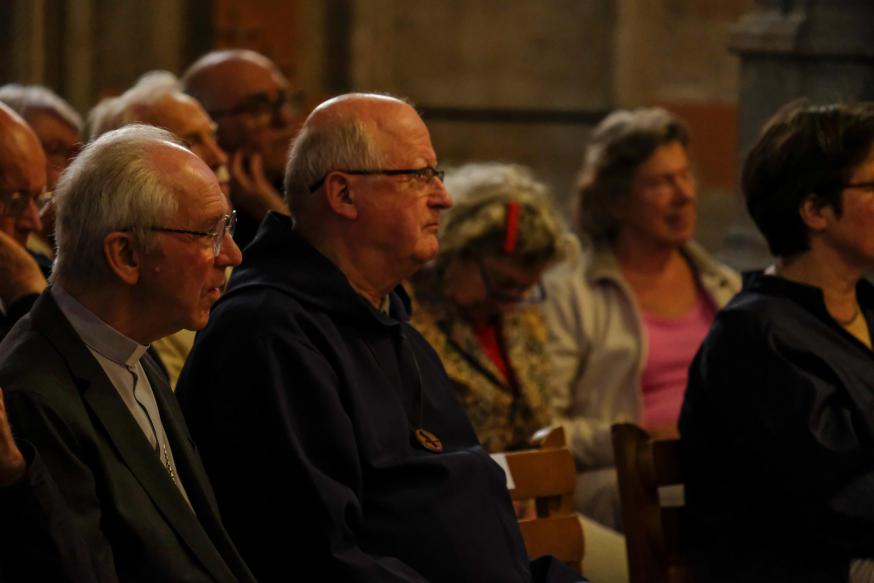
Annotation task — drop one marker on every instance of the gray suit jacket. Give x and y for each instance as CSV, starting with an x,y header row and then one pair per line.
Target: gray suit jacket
x,y
135,523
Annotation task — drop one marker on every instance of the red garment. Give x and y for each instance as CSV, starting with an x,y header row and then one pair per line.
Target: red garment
x,y
492,346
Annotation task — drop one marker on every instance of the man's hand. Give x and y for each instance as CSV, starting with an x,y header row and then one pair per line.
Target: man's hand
x,y
251,192
12,464
19,273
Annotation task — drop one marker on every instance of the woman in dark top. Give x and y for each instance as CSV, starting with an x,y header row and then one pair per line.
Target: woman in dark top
x,y
778,420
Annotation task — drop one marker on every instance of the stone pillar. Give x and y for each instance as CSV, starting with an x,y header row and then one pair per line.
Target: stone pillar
x,y
818,49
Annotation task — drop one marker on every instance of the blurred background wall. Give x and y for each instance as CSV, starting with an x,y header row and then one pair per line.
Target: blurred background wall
x,y
520,81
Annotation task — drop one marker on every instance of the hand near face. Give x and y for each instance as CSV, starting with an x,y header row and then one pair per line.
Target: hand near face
x,y
12,464
251,192
19,273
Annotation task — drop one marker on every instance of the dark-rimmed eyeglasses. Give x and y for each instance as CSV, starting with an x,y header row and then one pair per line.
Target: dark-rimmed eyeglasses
x,y
262,106
425,175
16,203
512,293
225,225
862,185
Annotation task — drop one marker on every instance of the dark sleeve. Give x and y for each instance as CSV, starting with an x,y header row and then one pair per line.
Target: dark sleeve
x,y
266,413
15,311
66,503
38,539
771,434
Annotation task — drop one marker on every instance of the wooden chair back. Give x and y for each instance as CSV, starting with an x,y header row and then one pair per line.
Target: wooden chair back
x,y
547,475
650,490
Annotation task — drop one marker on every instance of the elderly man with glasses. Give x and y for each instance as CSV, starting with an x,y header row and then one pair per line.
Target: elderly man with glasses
x,y
157,100
57,126
257,112
312,398
144,238
22,184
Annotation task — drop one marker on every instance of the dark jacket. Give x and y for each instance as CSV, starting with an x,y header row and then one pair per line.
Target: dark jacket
x,y
128,514
303,399
778,436
33,510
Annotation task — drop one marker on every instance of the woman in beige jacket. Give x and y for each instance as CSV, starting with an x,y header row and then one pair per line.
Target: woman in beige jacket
x,y
627,311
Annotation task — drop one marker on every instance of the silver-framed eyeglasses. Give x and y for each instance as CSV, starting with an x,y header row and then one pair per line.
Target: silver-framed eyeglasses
x,y
225,225
425,175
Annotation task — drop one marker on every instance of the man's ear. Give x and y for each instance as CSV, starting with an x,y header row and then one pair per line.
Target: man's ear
x,y
123,257
814,213
339,195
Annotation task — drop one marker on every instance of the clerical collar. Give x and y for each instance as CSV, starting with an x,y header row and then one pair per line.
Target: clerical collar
x,y
97,334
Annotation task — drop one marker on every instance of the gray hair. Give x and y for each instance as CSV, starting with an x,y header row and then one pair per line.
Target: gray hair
x,y
27,98
110,186
115,112
319,148
476,225
623,141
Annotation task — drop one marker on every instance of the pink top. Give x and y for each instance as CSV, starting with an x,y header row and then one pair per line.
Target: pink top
x,y
672,346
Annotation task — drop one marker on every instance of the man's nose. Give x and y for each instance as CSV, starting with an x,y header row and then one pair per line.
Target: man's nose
x,y
29,219
440,197
230,254
215,156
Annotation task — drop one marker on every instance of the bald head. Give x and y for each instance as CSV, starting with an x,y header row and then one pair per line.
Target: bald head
x,y
349,131
363,184
222,79
22,176
250,100
156,100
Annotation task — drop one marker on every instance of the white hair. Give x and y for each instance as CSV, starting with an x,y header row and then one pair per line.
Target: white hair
x,y
115,112
24,99
339,142
476,224
110,186
318,150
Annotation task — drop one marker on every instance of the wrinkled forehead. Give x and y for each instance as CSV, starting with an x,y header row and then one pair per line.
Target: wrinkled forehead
x,y
178,113
401,132
187,176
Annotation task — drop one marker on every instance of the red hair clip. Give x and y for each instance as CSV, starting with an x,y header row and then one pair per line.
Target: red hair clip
x,y
511,228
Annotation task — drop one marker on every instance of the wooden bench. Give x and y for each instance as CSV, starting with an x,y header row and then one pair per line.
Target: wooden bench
x,y
547,475
650,490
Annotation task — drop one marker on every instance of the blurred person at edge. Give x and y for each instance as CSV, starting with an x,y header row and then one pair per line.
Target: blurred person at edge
x,y
29,501
58,127
143,234
257,112
479,305
22,184
157,100
777,424
627,314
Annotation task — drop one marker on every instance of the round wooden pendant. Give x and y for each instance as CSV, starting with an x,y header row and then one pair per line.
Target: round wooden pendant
x,y
428,440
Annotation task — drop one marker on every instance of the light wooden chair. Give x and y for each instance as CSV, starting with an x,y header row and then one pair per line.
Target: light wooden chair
x,y
546,474
650,490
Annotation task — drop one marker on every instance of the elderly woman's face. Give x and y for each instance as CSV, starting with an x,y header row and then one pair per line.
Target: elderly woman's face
x,y
485,288
660,208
